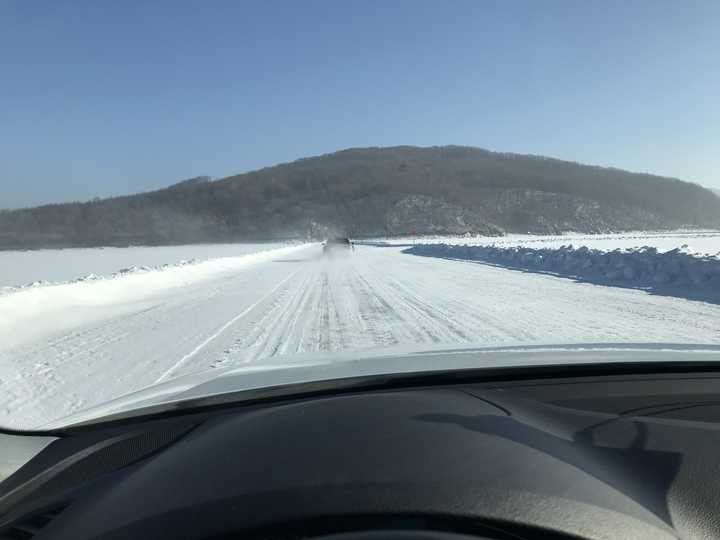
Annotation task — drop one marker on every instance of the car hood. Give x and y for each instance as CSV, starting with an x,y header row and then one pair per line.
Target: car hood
x,y
266,378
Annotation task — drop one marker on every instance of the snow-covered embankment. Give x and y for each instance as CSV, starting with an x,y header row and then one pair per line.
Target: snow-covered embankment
x,y
643,267
35,311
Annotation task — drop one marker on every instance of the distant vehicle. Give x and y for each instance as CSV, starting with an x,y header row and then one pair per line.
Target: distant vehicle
x,y
337,245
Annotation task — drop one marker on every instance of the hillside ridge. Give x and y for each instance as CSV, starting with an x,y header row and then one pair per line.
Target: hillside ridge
x,y
375,191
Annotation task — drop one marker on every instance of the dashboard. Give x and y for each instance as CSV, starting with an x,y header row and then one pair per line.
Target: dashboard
x,y
621,453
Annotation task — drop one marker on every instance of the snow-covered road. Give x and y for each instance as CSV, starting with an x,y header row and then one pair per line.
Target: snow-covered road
x,y
293,301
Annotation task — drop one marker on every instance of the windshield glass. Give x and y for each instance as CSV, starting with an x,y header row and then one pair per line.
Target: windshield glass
x,y
193,189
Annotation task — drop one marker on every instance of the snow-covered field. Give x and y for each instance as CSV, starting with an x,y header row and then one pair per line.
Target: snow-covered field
x,y
18,268
694,242
69,346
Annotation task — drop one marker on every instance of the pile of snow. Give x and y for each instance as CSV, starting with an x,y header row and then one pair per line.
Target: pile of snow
x,y
696,242
699,243
642,267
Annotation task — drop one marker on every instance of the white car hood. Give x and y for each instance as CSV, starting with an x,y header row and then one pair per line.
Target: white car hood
x,y
282,371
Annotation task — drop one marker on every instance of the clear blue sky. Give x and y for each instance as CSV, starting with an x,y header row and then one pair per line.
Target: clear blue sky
x,y
109,97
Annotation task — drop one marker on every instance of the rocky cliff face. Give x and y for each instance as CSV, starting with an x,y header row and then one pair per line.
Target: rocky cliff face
x,y
434,216
548,213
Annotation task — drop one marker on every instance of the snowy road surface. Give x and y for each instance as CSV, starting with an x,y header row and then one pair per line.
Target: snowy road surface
x,y
59,355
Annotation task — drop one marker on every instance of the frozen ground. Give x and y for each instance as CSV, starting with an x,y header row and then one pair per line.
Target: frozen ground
x,y
19,268
695,242
67,347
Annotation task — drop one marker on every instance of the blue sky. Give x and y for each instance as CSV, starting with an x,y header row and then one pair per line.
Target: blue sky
x,y
102,97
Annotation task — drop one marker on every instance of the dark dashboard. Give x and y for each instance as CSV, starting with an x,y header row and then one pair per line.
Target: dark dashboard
x,y
622,454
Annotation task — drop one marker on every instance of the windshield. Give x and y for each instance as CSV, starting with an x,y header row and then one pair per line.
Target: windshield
x,y
191,190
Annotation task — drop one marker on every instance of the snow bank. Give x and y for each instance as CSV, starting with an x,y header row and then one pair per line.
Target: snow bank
x,y
20,268
644,267
696,242
30,312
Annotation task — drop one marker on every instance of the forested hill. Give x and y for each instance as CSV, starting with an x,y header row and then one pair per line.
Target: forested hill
x,y
375,191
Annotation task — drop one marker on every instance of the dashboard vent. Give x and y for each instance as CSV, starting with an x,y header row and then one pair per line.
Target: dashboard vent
x,y
28,526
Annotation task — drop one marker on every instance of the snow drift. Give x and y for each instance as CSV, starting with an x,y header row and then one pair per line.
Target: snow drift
x,y
674,271
21,268
697,242
37,310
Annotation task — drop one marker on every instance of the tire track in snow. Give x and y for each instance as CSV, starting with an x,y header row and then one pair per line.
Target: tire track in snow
x,y
166,374
418,316
85,366
428,327
459,321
